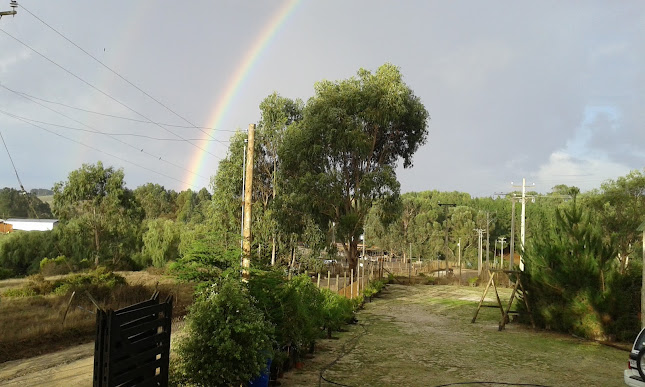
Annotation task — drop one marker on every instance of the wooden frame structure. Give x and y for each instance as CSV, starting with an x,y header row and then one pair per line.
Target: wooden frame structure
x,y
492,274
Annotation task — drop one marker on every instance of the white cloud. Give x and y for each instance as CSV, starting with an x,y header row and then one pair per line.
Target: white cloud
x,y
584,173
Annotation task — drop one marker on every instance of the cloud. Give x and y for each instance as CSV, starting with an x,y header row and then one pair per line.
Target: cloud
x,y
584,173
8,61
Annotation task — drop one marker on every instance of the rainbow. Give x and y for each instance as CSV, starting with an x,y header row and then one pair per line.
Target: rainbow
x,y
234,85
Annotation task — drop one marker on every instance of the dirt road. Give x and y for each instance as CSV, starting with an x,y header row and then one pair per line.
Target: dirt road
x,y
423,336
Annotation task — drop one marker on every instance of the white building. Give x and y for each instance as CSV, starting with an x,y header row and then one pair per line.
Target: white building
x,y
32,224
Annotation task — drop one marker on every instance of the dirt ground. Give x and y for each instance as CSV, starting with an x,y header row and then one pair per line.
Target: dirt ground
x,y
69,367
409,336
423,336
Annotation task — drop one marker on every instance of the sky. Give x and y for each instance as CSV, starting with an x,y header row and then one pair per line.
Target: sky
x,y
549,91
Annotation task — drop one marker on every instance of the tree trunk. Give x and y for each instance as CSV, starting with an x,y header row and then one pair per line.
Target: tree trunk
x,y
96,246
351,255
273,250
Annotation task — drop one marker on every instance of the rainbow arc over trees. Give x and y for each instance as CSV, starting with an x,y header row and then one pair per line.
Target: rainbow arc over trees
x,y
234,85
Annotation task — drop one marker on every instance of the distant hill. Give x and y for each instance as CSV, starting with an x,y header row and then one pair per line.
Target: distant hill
x,y
41,192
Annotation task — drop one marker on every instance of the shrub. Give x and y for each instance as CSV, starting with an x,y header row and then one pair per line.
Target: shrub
x,y
54,266
228,340
5,273
336,311
18,292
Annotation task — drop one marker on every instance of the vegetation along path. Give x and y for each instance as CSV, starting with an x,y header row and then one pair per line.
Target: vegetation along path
x,y
423,336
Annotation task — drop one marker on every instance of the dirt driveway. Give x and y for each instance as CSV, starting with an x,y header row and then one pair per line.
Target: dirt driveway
x,y
422,336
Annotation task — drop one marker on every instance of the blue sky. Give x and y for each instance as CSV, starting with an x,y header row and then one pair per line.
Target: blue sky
x,y
551,91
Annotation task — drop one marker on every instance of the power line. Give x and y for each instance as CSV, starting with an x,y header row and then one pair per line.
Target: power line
x,y
99,150
12,163
100,132
116,73
94,130
103,92
122,117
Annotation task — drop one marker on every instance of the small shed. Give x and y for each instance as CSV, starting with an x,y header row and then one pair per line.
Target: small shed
x,y
5,228
32,224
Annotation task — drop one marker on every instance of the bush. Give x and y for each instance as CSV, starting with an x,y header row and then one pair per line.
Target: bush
x,y
5,273
336,311
18,292
54,266
228,340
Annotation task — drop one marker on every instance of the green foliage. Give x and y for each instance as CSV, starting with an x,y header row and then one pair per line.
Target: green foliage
x,y
156,201
5,273
18,204
54,266
21,252
336,310
106,213
161,241
341,157
205,258
228,339
565,274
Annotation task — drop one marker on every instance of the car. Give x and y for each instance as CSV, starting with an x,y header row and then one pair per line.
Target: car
x,y
634,375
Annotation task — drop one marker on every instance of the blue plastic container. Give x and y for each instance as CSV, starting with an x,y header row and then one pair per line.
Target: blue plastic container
x,y
263,379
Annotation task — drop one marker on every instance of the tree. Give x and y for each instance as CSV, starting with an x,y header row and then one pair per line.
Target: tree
x,y
621,205
341,157
278,113
156,201
161,241
107,212
19,204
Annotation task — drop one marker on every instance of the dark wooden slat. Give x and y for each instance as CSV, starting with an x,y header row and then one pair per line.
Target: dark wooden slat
x,y
143,344
137,372
138,305
142,328
139,313
136,360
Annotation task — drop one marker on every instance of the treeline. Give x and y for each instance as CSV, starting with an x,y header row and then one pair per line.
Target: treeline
x,y
102,223
583,257
19,204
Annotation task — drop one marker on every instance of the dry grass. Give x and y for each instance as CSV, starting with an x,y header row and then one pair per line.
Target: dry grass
x,y
31,326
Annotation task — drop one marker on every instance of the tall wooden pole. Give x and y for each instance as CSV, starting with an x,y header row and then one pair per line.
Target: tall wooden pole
x,y
643,281
248,189
512,260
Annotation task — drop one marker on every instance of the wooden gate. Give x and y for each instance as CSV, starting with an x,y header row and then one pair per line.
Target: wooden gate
x,y
132,344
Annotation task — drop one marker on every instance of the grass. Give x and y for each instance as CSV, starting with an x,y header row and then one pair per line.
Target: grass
x,y
423,336
34,325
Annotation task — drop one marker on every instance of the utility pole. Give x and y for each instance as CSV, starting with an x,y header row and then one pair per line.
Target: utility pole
x,y
459,259
512,258
487,240
243,190
501,251
642,228
480,233
248,190
523,224
13,4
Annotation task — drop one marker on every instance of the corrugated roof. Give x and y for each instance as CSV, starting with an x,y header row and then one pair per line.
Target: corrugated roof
x,y
31,220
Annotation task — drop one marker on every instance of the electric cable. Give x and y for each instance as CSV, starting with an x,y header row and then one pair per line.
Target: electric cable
x,y
12,163
116,73
101,151
103,133
105,93
120,117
